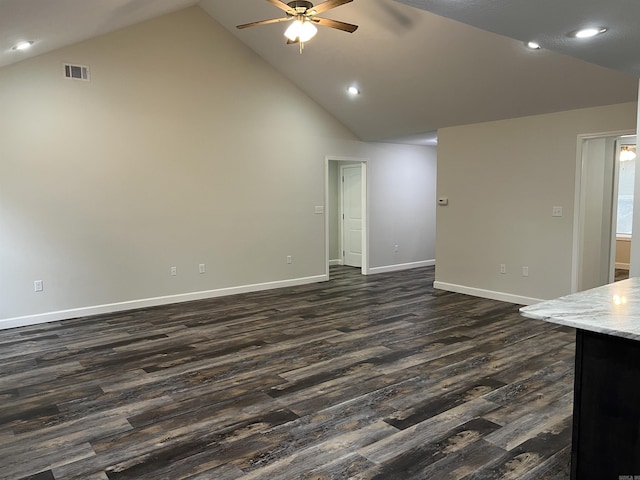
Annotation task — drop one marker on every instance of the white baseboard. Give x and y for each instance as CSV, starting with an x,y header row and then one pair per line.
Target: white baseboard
x,y
335,262
153,302
623,266
479,292
401,266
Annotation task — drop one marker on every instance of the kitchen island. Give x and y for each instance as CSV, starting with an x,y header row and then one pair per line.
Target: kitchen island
x,y
606,410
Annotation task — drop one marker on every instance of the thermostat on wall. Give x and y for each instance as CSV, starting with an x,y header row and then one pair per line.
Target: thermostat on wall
x,y
443,201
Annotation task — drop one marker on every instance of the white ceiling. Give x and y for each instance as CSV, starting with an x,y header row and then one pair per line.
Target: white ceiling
x,y
550,21
53,24
417,71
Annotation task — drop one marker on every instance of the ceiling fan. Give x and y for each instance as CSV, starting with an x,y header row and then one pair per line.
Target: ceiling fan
x,y
303,14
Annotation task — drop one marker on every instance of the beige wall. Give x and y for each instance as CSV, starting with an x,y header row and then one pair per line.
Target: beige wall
x,y
402,205
185,148
502,180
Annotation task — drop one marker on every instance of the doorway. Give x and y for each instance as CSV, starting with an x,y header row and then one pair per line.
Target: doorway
x,y
602,207
626,149
346,219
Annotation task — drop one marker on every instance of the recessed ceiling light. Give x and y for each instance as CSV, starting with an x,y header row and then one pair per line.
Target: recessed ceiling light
x,y
533,45
353,90
588,32
23,45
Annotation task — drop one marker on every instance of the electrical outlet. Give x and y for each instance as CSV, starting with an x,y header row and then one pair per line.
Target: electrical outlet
x,y
556,212
289,259
38,286
174,271
202,268
525,271
503,268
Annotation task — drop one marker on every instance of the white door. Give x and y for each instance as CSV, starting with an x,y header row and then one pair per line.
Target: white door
x,y
351,215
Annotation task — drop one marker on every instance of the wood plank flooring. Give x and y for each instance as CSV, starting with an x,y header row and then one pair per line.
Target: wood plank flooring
x,y
621,274
376,377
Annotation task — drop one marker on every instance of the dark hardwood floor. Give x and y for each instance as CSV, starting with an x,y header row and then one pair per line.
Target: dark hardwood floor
x,y
621,274
377,377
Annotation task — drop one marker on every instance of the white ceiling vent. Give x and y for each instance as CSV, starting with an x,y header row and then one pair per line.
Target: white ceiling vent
x,y
76,72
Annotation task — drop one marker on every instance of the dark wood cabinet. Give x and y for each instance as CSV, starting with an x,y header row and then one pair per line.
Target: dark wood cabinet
x,y
606,419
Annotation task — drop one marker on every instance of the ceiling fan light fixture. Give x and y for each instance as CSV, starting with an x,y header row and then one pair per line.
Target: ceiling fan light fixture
x,y
534,45
301,30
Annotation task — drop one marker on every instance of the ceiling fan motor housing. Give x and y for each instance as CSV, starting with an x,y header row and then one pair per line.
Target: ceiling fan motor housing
x,y
304,14
300,6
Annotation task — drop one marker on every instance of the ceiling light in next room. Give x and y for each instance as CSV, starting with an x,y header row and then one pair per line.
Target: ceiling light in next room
x,y
588,32
627,153
22,45
353,90
533,45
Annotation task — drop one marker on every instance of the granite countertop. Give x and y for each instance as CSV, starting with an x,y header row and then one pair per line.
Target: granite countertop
x,y
612,309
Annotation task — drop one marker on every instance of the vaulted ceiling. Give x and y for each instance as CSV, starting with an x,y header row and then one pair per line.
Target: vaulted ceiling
x,y
420,64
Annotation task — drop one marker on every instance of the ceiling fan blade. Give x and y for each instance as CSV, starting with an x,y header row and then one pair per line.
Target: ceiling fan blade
x,y
327,22
328,5
291,42
265,22
282,6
